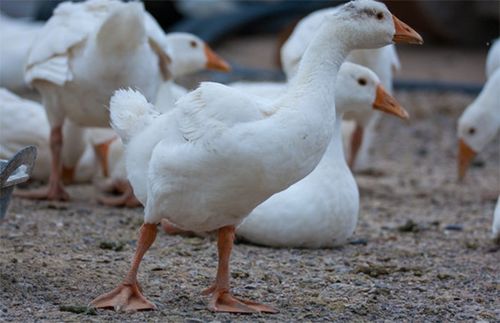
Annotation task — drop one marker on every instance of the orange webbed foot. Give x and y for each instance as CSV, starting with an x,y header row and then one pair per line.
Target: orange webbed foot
x,y
125,297
223,301
125,200
50,193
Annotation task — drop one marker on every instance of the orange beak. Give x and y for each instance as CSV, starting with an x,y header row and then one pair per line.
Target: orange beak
x,y
386,103
465,156
405,34
102,152
215,62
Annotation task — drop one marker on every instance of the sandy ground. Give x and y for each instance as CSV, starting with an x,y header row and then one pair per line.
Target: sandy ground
x,y
421,251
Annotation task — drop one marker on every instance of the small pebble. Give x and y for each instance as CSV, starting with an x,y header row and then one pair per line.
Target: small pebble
x,y
454,227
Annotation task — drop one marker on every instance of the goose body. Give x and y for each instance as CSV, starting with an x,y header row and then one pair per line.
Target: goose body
x,y
224,151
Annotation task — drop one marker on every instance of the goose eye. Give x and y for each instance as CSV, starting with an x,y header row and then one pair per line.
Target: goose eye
x,y
380,16
193,44
362,81
472,131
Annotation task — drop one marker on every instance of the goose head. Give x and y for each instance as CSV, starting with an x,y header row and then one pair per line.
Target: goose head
x,y
359,90
479,124
190,54
370,24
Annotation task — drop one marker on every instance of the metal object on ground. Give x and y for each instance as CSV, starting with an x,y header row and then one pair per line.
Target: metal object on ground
x,y
14,171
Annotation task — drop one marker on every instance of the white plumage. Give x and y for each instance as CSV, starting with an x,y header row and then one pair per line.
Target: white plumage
x,y
84,53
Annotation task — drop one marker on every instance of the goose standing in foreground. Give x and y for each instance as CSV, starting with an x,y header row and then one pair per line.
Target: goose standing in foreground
x,y
226,152
25,123
322,209
383,61
84,52
479,125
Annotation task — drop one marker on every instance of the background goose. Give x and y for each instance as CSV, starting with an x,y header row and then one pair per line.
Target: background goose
x,y
322,209
479,125
383,61
223,155
24,123
85,52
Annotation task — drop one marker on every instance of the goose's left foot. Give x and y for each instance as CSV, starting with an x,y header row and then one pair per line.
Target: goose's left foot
x,y
223,301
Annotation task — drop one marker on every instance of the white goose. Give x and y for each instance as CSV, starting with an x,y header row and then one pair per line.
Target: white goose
x,y
383,61
85,52
24,123
479,125
221,155
322,209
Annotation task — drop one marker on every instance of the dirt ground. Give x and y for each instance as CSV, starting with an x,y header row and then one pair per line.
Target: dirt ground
x,y
421,251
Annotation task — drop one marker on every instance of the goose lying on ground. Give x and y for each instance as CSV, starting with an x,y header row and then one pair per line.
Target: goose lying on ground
x,y
225,152
322,209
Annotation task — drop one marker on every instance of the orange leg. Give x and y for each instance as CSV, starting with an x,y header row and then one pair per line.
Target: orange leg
x,y
128,296
127,198
222,300
55,189
102,153
356,141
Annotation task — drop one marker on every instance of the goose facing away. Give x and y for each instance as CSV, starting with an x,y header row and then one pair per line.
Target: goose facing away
x,y
84,52
226,151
